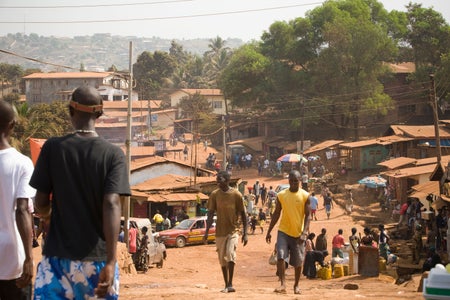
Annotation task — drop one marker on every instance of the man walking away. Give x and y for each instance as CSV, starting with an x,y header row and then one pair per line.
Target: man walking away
x,y
86,176
16,260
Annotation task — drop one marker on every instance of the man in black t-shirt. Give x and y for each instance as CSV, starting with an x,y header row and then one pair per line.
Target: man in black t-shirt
x,y
85,177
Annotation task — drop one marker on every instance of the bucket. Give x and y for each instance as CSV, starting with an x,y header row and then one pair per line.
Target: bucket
x,y
346,270
338,271
324,273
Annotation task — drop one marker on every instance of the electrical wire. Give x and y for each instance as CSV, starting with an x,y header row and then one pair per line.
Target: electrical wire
x,y
92,5
163,18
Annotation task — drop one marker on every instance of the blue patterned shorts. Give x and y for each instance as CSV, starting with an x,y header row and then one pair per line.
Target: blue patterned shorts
x,y
60,278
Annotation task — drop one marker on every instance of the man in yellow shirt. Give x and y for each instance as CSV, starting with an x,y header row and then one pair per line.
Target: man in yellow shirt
x,y
158,220
293,229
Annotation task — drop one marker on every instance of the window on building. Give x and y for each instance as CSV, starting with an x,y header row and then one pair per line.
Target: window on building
x,y
217,104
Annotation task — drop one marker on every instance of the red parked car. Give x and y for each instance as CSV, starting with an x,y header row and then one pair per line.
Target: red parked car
x,y
189,231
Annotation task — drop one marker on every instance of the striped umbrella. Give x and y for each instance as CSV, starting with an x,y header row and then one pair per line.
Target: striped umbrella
x,y
292,157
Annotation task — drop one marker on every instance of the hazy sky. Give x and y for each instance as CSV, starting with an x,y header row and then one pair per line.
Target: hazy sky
x,y
169,19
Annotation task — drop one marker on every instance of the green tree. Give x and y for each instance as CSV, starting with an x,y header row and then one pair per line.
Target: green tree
x,y
428,34
10,75
193,106
152,71
12,98
188,72
336,55
245,79
216,59
40,121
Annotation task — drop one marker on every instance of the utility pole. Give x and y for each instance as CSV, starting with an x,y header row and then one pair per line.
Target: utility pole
x,y
224,164
126,206
433,100
302,124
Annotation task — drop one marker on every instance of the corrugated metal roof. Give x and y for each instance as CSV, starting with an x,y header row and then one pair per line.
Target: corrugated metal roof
x,y
143,113
430,187
422,131
432,160
118,124
155,104
203,92
384,140
168,197
59,75
322,146
407,172
148,161
170,182
397,162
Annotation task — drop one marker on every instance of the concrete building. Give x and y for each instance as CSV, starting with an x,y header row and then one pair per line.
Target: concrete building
x,y
50,87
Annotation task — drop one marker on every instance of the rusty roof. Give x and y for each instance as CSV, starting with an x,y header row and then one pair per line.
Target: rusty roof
x,y
170,182
120,113
407,172
322,146
433,160
384,140
430,187
135,113
397,162
203,92
118,124
140,163
422,131
135,104
61,75
168,197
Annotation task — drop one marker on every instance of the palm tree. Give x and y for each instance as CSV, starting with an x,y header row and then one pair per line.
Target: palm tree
x,y
216,59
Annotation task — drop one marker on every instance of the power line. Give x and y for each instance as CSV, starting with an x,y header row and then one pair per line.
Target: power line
x,y
37,60
163,18
93,5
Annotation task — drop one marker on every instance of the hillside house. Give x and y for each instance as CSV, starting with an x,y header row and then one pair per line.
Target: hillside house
x,y
50,87
214,97
146,114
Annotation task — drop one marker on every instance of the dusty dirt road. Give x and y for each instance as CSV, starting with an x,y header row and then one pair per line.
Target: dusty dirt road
x,y
193,272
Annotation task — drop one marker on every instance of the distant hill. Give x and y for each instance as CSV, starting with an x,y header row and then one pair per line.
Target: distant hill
x,y
96,52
